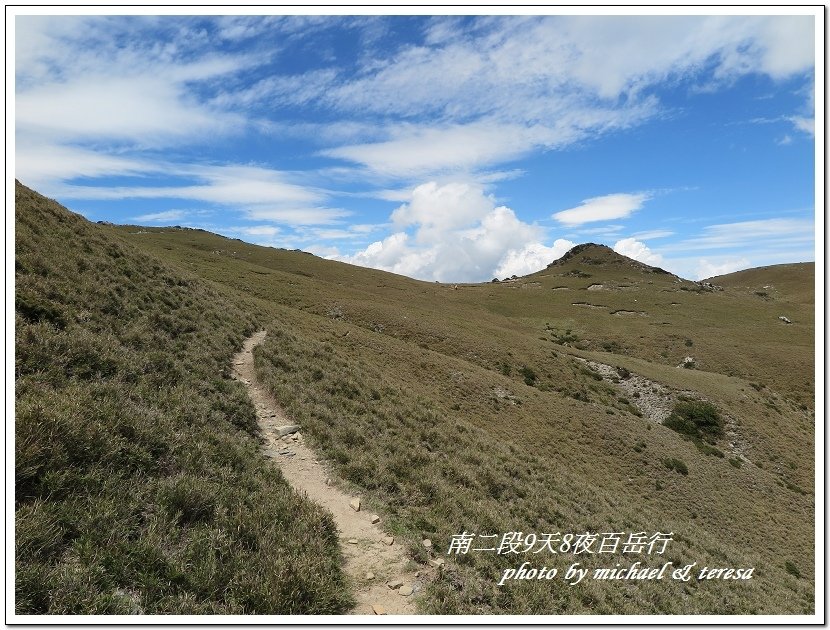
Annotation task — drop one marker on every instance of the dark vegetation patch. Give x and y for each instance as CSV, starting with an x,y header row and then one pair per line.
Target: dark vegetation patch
x,y
698,421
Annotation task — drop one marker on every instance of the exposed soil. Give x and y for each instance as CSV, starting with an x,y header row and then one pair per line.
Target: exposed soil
x,y
363,546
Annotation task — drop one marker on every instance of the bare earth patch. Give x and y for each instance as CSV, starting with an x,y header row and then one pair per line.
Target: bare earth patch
x,y
371,562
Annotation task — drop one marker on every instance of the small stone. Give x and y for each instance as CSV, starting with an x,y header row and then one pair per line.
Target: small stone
x,y
355,504
352,541
370,576
288,429
437,562
393,584
375,519
328,481
378,609
406,590
427,543
388,540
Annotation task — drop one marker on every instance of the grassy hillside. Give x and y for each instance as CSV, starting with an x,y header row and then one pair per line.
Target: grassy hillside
x,y
139,487
456,408
462,407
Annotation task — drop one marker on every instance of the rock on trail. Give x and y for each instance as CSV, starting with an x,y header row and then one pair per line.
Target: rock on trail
x,y
366,548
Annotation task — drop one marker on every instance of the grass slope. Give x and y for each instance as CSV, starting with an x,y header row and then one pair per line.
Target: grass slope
x,y
457,408
139,486
461,407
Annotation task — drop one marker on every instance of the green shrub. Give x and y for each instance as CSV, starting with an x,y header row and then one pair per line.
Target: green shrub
x,y
529,375
696,419
677,465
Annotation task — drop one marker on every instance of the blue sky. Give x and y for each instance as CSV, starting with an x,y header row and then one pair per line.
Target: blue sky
x,y
443,148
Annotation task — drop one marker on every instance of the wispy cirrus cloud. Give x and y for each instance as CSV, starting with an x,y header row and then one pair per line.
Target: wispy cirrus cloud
x,y
762,233
162,217
257,193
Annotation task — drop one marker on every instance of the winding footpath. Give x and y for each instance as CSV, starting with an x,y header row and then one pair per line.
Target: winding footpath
x,y
383,580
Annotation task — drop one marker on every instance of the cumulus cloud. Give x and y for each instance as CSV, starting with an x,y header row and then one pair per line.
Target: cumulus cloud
x,y
605,208
436,207
458,234
638,251
531,258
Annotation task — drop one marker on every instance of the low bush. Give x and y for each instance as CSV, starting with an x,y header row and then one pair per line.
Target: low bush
x,y
696,419
678,465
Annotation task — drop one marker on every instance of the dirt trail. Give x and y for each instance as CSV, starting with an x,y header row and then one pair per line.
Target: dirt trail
x,y
365,545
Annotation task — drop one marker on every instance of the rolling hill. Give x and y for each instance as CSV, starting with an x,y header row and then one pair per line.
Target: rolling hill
x,y
599,395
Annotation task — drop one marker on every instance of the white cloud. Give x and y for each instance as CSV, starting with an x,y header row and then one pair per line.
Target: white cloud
x,y
44,166
728,247
707,269
459,234
296,215
146,110
652,234
161,217
520,68
605,208
438,208
638,251
531,258
420,150
94,79
802,123
762,233
255,230
236,185
259,193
